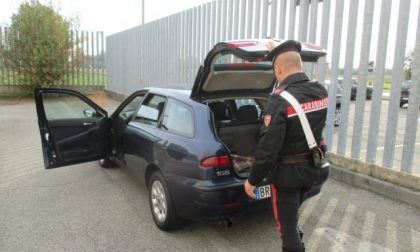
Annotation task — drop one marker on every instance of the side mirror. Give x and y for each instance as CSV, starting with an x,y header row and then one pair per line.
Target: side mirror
x,y
89,113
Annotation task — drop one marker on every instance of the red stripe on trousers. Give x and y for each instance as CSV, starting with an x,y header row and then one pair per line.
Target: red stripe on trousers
x,y
275,210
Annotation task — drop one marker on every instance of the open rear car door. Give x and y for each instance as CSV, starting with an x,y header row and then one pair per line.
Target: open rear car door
x,y
73,128
241,68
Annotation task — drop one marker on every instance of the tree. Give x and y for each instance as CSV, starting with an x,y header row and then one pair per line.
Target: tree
x,y
38,44
408,63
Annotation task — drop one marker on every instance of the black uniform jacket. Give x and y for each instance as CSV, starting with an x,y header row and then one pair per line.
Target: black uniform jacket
x,y
282,135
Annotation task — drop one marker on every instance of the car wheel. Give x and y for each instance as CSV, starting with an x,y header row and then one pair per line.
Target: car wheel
x,y
337,117
106,163
160,201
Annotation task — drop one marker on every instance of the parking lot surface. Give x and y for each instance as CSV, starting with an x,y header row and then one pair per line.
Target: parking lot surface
x,y
87,208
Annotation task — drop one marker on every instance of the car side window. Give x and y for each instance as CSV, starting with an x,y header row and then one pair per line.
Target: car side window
x,y
129,109
151,110
178,118
64,106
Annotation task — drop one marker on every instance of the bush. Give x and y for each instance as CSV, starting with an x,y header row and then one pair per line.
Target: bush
x,y
38,44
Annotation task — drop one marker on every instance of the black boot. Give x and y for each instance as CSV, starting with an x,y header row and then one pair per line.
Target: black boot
x,y
299,250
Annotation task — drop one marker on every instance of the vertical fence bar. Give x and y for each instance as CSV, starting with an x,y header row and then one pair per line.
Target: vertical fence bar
x,y
199,36
312,31
213,24
282,19
362,80
257,19
7,65
348,71
249,18
303,20
413,109
14,74
397,74
196,38
190,44
179,47
92,65
230,20
292,19
88,59
224,22
210,27
203,31
273,24
18,68
192,39
378,81
243,19
313,21
98,57
322,63
103,65
78,60
264,17
218,34
83,61
72,43
184,47
236,20
335,60
2,71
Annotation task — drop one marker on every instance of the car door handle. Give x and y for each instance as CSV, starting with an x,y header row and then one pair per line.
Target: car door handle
x,y
87,123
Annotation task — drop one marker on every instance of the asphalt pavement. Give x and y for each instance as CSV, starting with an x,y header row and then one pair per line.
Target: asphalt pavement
x,y
87,208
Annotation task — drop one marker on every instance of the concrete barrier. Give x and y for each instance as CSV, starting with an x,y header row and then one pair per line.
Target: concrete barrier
x,y
396,185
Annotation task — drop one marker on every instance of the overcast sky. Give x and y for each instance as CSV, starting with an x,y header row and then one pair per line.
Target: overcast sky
x,y
109,16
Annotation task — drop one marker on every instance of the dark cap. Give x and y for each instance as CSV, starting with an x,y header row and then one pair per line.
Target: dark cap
x,y
286,46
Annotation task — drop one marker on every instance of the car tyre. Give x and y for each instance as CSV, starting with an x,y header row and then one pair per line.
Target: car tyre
x,y
337,117
106,163
161,205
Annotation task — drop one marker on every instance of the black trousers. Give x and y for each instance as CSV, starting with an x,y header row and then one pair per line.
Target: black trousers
x,y
286,203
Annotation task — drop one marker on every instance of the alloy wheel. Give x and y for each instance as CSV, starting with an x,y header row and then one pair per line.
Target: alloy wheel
x,y
159,203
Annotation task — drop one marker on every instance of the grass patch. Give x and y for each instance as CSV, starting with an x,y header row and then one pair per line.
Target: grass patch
x,y
91,78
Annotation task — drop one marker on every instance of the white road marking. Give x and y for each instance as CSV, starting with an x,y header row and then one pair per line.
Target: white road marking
x,y
315,239
345,242
391,234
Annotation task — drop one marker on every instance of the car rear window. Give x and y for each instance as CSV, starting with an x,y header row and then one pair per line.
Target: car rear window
x,y
178,118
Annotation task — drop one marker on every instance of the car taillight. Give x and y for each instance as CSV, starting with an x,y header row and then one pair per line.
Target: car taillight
x,y
215,161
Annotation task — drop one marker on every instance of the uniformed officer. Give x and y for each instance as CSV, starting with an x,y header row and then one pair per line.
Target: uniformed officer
x,y
283,154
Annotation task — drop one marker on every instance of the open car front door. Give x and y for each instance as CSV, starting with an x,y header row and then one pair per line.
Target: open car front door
x,y
73,128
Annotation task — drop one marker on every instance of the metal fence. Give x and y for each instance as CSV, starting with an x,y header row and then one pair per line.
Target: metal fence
x,y
168,51
86,63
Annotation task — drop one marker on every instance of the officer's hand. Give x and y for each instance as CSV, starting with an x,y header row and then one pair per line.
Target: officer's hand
x,y
249,189
271,45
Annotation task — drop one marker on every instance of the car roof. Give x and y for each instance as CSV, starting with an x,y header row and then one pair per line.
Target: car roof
x,y
171,92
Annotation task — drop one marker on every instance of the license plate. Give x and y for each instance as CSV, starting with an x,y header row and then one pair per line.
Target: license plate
x,y
263,192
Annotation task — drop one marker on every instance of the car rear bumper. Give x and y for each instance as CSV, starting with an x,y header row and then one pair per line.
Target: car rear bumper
x,y
211,201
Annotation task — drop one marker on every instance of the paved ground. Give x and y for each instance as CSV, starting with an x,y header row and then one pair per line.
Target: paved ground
x,y
87,208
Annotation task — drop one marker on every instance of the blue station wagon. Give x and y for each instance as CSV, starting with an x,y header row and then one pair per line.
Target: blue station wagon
x,y
193,149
